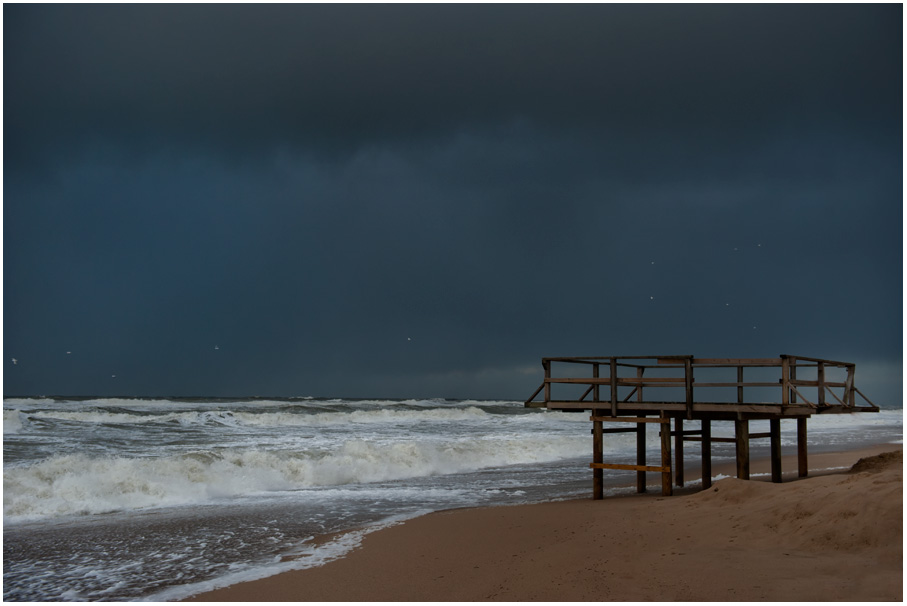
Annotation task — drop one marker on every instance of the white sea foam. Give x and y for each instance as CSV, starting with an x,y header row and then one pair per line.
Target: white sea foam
x,y
12,421
79,484
292,419
306,556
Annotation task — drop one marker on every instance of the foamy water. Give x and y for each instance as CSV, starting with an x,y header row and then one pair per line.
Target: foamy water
x,y
126,499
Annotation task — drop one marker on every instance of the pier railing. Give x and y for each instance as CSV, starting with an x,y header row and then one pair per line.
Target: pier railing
x,y
685,383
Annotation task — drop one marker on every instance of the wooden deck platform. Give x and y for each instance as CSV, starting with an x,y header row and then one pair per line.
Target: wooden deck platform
x,y
696,389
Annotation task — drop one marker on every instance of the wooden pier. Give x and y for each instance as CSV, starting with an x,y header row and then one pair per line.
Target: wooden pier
x,y
629,392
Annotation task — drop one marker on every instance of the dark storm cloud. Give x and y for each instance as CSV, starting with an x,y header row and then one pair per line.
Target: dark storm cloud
x,y
337,75
424,200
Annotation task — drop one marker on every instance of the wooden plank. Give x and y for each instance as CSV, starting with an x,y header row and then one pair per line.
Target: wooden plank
x,y
622,381
671,359
623,467
619,430
819,360
628,419
736,361
807,383
701,408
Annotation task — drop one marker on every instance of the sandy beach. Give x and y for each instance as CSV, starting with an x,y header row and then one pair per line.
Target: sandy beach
x,y
834,536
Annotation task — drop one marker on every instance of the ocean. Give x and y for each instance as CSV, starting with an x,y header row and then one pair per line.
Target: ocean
x,y
121,499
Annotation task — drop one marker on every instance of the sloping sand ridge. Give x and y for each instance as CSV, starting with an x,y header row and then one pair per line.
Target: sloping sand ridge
x,y
832,537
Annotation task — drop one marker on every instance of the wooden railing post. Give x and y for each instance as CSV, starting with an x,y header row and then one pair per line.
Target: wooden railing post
x,y
849,399
688,384
785,381
613,387
820,378
547,365
706,453
792,364
739,386
641,455
639,373
595,385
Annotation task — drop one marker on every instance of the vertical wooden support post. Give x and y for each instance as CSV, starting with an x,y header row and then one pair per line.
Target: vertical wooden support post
x,y
775,437
595,393
706,454
665,426
688,384
849,399
820,378
641,455
639,372
547,366
802,462
598,487
785,381
613,387
678,451
742,434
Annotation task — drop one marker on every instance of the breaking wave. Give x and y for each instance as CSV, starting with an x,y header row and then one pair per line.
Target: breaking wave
x,y
77,484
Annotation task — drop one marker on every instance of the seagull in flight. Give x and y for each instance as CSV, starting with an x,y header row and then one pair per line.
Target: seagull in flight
x,y
15,361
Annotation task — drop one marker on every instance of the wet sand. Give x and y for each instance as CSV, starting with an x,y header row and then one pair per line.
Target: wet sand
x,y
836,535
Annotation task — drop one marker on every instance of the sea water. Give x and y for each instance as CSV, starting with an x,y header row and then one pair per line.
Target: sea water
x,y
142,499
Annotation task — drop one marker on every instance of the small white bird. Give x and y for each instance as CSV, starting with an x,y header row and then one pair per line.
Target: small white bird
x,y
113,376
15,361
68,352
216,347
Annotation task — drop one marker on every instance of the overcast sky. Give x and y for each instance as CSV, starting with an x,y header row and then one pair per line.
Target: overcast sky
x,y
423,201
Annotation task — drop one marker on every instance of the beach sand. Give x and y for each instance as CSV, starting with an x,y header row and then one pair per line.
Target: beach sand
x,y
836,535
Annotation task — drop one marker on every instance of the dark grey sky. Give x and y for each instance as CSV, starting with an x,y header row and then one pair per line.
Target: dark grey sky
x,y
360,200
